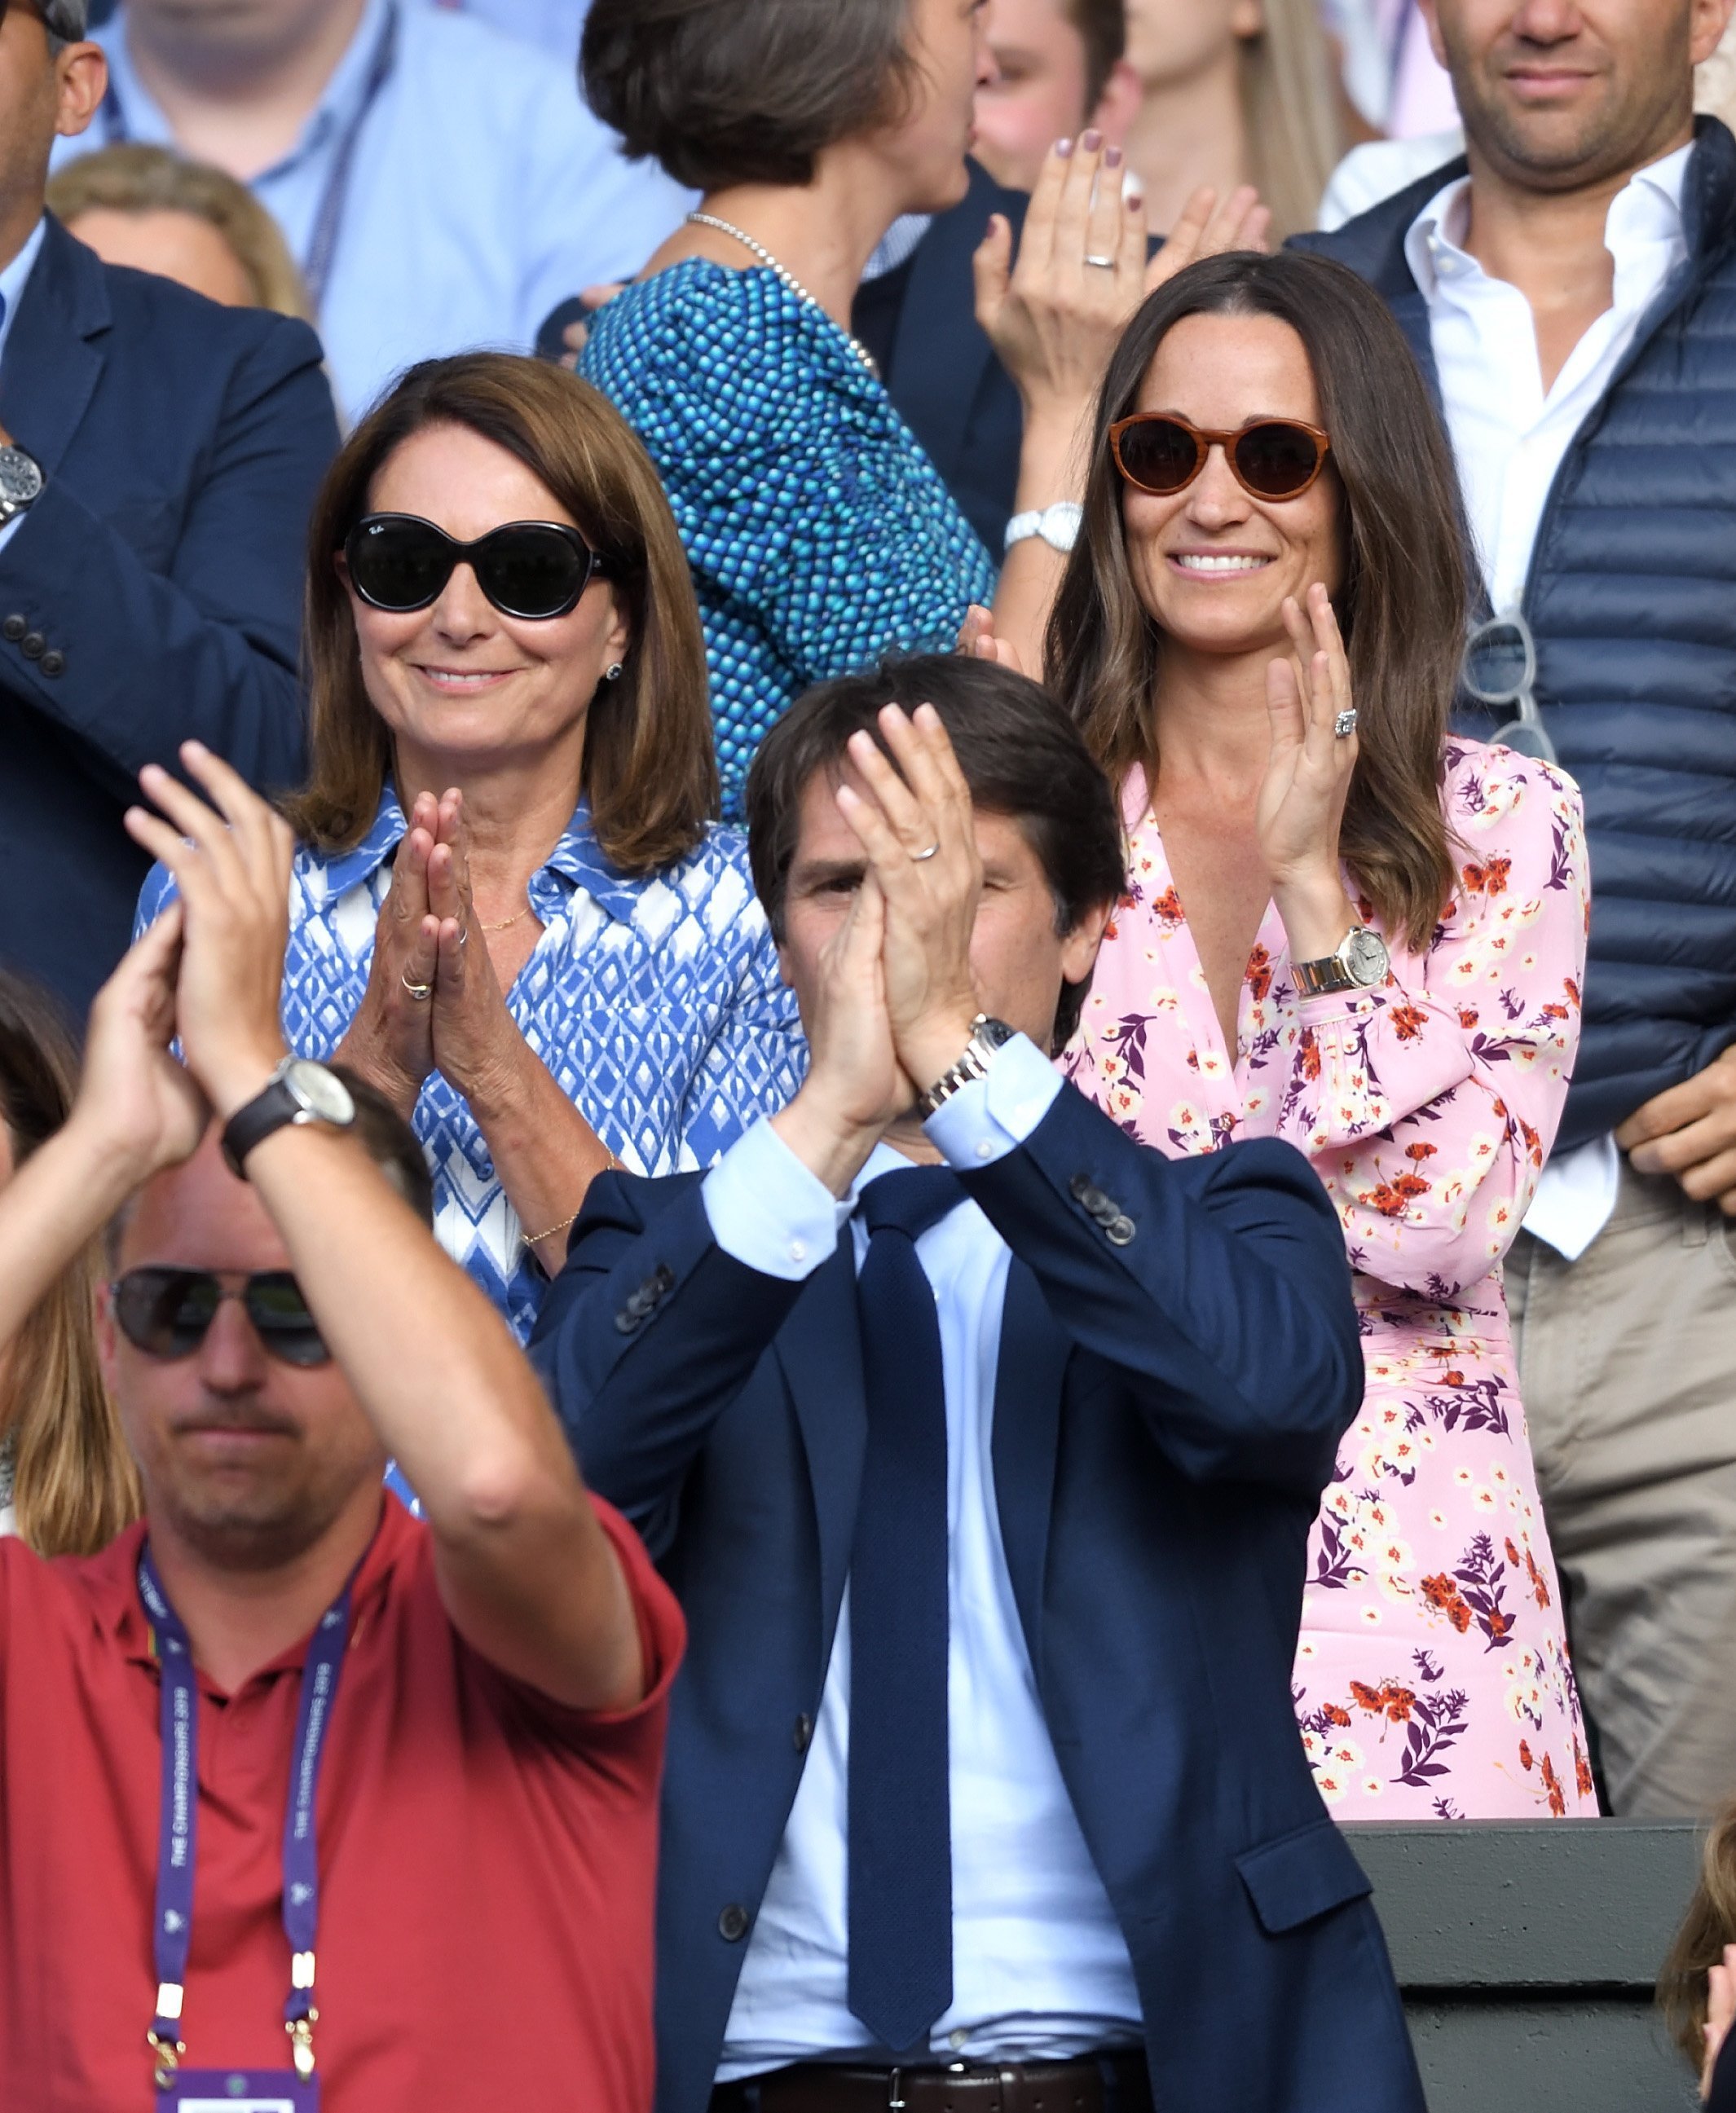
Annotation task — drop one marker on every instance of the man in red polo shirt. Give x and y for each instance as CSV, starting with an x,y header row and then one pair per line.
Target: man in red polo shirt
x,y
343,1809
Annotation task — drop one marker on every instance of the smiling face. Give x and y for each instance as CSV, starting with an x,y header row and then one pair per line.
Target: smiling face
x,y
462,688
935,127
247,1460
1018,960
1211,564
1559,94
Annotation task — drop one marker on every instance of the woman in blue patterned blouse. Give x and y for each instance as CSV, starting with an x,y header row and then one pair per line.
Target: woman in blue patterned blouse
x,y
511,910
819,533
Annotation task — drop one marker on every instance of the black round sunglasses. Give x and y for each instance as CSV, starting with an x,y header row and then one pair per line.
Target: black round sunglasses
x,y
533,570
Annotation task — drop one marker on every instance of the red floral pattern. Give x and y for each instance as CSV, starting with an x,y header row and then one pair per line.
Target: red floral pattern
x,y
1431,1679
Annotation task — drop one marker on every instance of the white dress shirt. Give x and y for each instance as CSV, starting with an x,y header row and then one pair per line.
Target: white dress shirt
x,y
1039,1968
1510,434
482,192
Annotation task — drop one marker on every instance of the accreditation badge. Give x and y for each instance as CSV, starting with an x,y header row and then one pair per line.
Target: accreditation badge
x,y
238,2090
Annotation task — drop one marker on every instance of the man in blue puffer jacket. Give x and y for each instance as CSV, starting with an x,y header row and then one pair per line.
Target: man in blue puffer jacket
x,y
1569,288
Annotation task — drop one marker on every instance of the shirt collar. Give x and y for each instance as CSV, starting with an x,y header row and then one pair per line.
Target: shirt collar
x,y
16,276
1646,209
339,101
577,857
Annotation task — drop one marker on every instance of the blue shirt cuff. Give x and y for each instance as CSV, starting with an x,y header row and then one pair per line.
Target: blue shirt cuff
x,y
984,1121
769,1210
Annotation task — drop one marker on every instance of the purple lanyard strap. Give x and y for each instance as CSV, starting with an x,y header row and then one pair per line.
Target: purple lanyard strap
x,y
176,1841
317,265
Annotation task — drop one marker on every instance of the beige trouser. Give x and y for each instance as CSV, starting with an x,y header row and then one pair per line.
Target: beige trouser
x,y
1627,1362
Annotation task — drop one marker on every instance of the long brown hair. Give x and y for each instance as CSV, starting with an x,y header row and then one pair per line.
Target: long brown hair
x,y
74,1483
649,770
1403,604
1709,1924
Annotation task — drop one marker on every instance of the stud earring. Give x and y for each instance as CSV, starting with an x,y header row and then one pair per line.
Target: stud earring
x,y
612,673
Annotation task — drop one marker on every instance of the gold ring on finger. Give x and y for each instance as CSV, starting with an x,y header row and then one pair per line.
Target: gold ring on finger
x,y
421,993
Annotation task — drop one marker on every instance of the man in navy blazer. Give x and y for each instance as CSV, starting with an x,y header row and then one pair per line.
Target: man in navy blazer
x,y
1022,1819
158,459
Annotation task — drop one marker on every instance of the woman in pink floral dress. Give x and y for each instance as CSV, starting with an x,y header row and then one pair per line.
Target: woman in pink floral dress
x,y
1285,787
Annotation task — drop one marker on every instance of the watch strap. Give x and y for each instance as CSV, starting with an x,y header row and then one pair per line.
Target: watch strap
x,y
987,1035
1057,525
256,1120
1322,977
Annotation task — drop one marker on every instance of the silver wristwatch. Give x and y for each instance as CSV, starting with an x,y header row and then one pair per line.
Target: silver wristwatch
x,y
299,1091
1360,963
987,1035
21,482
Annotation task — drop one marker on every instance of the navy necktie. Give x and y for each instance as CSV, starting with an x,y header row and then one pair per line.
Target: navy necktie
x,y
900,1813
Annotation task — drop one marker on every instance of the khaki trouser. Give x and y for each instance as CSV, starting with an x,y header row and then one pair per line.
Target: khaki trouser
x,y
1627,1362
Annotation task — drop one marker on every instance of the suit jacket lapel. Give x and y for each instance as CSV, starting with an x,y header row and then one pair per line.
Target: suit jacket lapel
x,y
821,1350
51,368
1028,1379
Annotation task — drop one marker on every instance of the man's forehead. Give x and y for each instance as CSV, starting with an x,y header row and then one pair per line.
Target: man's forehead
x,y
199,1215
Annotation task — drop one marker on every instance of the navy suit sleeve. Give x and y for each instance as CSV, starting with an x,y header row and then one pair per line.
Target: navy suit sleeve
x,y
646,1337
1216,1287
206,649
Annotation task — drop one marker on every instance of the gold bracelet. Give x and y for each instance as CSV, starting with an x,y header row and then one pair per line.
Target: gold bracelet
x,y
616,1166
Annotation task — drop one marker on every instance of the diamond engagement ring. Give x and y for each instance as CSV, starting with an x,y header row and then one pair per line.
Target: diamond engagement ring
x,y
1345,725
421,993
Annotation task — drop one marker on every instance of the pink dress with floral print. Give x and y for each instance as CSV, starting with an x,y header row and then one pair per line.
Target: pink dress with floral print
x,y
1431,1680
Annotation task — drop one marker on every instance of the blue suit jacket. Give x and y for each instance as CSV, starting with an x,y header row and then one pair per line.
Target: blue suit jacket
x,y
155,591
1165,1417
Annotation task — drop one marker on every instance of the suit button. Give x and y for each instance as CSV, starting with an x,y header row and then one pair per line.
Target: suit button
x,y
629,1318
804,1731
14,628
54,661
732,1924
32,644
1120,1230
1087,1194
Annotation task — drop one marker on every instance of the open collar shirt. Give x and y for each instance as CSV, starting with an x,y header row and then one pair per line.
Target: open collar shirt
x,y
656,1002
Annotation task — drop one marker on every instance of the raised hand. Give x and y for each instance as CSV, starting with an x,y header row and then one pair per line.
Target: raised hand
x,y
1301,808
390,1041
231,861
979,640
919,832
476,1043
1207,229
135,1099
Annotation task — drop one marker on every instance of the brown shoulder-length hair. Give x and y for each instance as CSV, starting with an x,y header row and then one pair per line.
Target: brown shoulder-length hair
x,y
649,772
1402,604
74,1484
1709,1924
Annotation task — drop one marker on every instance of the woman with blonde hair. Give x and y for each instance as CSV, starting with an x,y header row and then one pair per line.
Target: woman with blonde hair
x,y
512,912
148,209
1235,92
67,1481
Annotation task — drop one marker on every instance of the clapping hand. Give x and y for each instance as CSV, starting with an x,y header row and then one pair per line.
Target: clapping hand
x,y
390,1042
475,1040
1300,809
137,1104
230,861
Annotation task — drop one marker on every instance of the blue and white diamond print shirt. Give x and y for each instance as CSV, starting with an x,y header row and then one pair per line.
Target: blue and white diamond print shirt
x,y
656,1004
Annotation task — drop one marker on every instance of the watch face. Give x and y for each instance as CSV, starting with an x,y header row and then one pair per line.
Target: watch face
x,y
995,1033
1365,957
20,480
322,1093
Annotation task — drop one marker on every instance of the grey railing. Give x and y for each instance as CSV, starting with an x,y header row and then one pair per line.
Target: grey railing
x,y
1528,1953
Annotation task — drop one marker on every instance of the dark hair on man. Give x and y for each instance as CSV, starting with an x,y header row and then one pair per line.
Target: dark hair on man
x,y
1103,28
1405,592
724,92
1021,757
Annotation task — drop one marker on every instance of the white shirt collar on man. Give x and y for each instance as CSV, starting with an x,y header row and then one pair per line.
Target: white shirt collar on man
x,y
13,278
1510,435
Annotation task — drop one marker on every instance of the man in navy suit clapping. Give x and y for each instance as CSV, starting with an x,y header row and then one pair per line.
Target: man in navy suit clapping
x,y
981,1444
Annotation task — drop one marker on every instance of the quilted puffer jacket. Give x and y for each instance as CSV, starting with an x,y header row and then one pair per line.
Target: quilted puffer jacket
x,y
1632,599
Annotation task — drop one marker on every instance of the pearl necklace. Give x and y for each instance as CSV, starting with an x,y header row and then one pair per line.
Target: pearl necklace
x,y
789,277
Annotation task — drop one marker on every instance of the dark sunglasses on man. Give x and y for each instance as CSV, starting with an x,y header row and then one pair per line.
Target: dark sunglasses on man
x,y
167,1312
533,570
1158,452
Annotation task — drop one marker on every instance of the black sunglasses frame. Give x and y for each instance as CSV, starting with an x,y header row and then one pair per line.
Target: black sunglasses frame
x,y
1230,442
452,554
140,1295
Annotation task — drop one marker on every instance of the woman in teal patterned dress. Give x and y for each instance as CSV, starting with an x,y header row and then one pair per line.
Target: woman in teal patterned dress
x,y
819,533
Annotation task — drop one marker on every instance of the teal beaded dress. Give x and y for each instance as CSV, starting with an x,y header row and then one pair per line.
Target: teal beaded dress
x,y
819,534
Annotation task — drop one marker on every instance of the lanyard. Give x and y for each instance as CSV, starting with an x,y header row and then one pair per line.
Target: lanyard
x,y
316,267
172,1931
